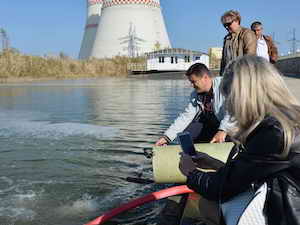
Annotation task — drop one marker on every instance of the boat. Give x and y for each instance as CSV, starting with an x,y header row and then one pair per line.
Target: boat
x,y
182,203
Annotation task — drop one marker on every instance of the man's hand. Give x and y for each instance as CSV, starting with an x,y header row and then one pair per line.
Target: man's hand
x,y
186,164
219,137
161,142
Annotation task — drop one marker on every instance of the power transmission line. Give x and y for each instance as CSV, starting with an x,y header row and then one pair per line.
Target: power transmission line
x,y
4,39
132,42
294,42
274,40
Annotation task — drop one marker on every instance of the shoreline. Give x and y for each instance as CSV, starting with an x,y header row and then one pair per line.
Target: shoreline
x,y
24,80
30,79
12,80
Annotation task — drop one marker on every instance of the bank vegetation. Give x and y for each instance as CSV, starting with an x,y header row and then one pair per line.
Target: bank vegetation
x,y
15,66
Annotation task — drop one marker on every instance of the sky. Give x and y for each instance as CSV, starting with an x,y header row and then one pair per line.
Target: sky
x,y
50,27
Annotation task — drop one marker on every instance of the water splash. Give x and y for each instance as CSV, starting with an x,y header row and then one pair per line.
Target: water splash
x,y
19,206
22,214
25,124
6,185
84,205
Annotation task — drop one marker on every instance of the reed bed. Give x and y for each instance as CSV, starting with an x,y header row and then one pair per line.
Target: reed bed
x,y
17,66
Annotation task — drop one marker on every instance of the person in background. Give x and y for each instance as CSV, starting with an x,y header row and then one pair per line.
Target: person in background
x,y
265,45
205,116
267,125
239,41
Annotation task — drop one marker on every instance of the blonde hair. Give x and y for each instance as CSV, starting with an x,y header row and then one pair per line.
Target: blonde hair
x,y
233,14
254,88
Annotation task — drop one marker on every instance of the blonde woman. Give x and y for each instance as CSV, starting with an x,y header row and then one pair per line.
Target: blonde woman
x,y
268,120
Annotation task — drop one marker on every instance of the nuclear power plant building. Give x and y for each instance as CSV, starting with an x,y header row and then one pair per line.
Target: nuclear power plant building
x,y
94,8
123,27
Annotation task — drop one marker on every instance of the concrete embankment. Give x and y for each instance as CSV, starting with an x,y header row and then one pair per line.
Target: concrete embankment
x,y
293,84
289,64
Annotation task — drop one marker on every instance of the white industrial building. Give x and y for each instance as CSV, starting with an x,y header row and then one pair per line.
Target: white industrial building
x,y
174,59
94,8
129,28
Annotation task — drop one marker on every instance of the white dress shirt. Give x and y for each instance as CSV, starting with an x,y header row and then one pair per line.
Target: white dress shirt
x,y
262,49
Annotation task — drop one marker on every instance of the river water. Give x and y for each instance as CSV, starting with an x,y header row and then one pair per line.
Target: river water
x,y
66,147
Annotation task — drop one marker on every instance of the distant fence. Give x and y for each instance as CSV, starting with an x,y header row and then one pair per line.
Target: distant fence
x,y
289,64
290,56
137,67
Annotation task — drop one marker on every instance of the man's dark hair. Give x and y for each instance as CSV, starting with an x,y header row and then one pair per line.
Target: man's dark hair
x,y
255,24
198,69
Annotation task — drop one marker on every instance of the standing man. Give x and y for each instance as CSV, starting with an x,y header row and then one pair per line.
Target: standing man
x,y
205,116
239,41
265,45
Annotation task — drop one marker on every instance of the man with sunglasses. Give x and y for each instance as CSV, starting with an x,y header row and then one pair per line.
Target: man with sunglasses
x,y
239,41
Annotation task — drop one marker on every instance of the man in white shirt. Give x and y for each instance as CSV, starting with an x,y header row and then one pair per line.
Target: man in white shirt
x,y
265,45
205,116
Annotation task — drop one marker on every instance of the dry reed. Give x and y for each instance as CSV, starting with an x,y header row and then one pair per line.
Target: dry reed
x,y
14,66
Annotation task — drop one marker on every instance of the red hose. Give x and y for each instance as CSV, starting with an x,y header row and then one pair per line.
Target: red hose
x,y
140,201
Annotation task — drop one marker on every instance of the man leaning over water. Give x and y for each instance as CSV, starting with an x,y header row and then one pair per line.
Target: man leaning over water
x,y
205,116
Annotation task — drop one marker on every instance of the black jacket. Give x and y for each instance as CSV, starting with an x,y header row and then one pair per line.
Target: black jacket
x,y
264,142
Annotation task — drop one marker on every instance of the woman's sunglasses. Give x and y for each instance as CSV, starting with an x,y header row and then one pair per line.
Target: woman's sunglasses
x,y
227,24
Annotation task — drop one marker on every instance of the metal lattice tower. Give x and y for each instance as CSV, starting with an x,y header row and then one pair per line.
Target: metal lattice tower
x,y
274,40
132,42
4,39
294,42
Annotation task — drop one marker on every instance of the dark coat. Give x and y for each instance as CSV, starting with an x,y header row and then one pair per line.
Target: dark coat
x,y
264,143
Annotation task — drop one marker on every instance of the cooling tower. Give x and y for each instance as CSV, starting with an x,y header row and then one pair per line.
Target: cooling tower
x,y
93,17
131,28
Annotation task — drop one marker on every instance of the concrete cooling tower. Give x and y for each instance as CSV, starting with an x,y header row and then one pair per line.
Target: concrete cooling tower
x,y
130,28
93,17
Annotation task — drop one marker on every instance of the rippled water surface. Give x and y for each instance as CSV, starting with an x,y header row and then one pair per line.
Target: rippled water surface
x,y
66,147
